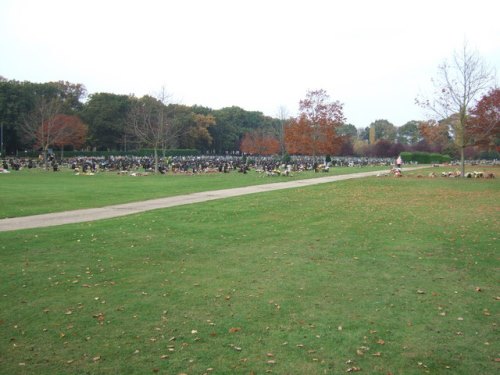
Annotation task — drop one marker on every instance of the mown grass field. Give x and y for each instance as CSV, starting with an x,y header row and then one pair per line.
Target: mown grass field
x,y
378,275
30,192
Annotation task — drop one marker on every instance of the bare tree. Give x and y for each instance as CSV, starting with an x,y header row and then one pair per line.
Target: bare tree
x,y
40,125
148,118
458,86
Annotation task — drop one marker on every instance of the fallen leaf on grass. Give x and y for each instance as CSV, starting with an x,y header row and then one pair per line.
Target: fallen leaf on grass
x,y
99,317
353,369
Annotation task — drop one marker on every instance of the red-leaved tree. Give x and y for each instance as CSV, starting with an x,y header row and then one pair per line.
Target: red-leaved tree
x,y
314,132
63,130
259,143
484,126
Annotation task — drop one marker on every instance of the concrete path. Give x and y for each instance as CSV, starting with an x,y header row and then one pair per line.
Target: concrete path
x,y
91,214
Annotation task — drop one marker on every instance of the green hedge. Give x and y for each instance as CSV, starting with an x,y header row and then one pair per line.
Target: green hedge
x,y
424,157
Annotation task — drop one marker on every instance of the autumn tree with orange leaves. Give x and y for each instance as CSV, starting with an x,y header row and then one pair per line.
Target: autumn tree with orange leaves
x,y
67,130
314,132
258,142
436,134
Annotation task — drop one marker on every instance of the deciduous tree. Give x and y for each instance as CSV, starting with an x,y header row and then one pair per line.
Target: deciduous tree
x,y
40,124
197,134
68,130
148,117
314,132
436,134
484,126
408,133
106,116
384,130
257,142
457,86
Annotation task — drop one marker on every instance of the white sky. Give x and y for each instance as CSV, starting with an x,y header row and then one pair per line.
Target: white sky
x,y
375,56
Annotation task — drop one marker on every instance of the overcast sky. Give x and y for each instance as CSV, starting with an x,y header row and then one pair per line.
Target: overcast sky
x,y
375,56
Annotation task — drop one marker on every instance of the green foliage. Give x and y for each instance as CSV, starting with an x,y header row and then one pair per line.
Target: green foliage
x,y
347,130
408,133
232,123
384,130
106,116
17,100
424,157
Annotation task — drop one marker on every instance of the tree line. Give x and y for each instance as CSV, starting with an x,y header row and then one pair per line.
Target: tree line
x,y
60,116
114,122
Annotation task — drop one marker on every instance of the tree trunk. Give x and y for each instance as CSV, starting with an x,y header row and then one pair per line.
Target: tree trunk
x,y
462,160
45,159
156,159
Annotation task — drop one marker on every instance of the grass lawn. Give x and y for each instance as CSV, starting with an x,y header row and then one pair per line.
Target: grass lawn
x,y
30,192
377,275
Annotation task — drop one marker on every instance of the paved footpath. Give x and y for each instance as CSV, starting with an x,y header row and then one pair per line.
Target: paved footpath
x,y
91,214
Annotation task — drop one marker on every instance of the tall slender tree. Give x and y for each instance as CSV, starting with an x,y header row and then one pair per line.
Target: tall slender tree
x,y
458,85
148,117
